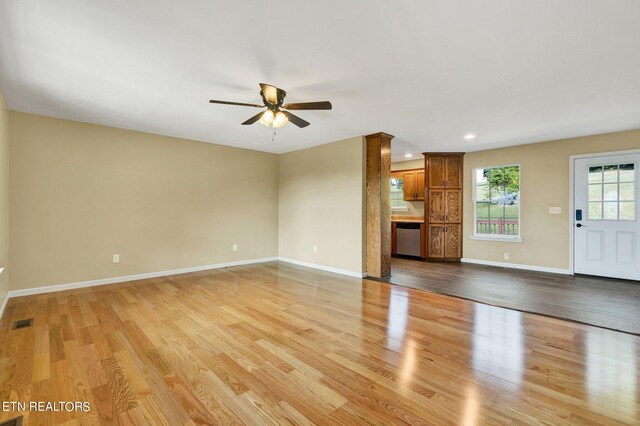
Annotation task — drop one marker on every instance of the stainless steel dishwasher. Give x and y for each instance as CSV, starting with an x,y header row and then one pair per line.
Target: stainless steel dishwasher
x,y
408,239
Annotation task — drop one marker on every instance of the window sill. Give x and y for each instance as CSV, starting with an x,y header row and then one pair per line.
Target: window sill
x,y
501,239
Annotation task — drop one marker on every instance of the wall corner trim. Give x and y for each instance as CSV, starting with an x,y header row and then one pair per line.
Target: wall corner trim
x,y
113,280
323,267
517,266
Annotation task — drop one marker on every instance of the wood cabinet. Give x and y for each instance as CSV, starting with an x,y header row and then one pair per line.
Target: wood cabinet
x,y
444,172
420,180
443,205
413,184
409,186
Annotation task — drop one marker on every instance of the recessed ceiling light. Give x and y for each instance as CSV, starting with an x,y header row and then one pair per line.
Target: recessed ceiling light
x,y
408,155
469,136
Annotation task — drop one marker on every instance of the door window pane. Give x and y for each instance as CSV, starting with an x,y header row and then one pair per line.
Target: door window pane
x,y
611,173
595,192
595,174
627,173
627,210
595,211
612,192
610,210
627,191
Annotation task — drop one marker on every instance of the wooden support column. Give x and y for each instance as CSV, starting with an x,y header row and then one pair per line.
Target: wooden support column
x,y
378,205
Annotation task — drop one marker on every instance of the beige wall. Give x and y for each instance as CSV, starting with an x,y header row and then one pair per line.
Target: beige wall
x,y
409,164
321,203
4,198
414,208
544,183
81,193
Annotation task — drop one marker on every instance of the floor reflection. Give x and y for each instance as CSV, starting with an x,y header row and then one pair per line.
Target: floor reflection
x,y
497,342
611,370
397,317
471,407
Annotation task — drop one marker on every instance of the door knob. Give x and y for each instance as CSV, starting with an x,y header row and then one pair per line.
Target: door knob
x,y
579,225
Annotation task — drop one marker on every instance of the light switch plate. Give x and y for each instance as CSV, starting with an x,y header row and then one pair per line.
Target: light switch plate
x,y
555,210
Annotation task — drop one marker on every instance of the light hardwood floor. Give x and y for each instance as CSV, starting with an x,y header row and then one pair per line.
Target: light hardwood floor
x,y
280,344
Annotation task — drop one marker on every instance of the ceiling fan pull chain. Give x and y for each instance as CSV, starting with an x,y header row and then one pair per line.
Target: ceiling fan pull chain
x,y
273,137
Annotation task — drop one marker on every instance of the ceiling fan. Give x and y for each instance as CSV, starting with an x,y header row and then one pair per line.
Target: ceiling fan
x,y
277,114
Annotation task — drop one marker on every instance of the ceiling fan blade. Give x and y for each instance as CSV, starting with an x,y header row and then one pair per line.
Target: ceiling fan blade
x,y
253,119
296,120
309,105
213,101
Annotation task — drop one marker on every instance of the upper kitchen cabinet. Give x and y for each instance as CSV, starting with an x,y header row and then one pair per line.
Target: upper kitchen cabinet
x,y
413,184
444,170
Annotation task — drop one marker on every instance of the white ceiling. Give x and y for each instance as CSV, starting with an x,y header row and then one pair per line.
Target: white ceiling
x,y
511,71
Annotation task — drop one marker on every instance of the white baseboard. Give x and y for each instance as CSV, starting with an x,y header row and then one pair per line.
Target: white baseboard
x,y
517,266
4,304
114,280
82,284
323,267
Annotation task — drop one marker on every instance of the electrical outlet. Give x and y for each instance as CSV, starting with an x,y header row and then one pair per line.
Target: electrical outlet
x,y
116,258
506,256
555,210
235,247
315,249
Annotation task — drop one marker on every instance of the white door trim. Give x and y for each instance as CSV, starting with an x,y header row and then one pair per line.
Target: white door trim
x,y
572,212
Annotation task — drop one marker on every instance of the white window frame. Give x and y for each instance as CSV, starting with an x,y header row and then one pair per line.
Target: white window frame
x,y
496,237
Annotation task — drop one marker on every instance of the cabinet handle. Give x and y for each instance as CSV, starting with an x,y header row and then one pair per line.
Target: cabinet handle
x,y
445,229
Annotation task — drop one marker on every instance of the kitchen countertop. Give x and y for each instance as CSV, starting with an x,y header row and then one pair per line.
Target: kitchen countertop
x,y
407,219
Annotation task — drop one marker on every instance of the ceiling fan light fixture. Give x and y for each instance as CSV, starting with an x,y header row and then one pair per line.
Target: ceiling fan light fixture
x,y
273,99
267,117
279,120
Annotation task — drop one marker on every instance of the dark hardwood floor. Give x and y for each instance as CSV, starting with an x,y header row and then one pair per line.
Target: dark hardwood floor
x,y
281,344
608,303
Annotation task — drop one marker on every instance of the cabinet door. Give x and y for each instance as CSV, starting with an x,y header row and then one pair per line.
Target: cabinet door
x,y
436,170
453,172
409,186
453,206
453,241
436,205
420,185
435,241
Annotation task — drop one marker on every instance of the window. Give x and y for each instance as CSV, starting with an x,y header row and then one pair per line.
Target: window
x,y
612,192
497,202
397,195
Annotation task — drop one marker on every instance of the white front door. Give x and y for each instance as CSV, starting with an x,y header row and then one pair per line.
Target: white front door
x,y
606,216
